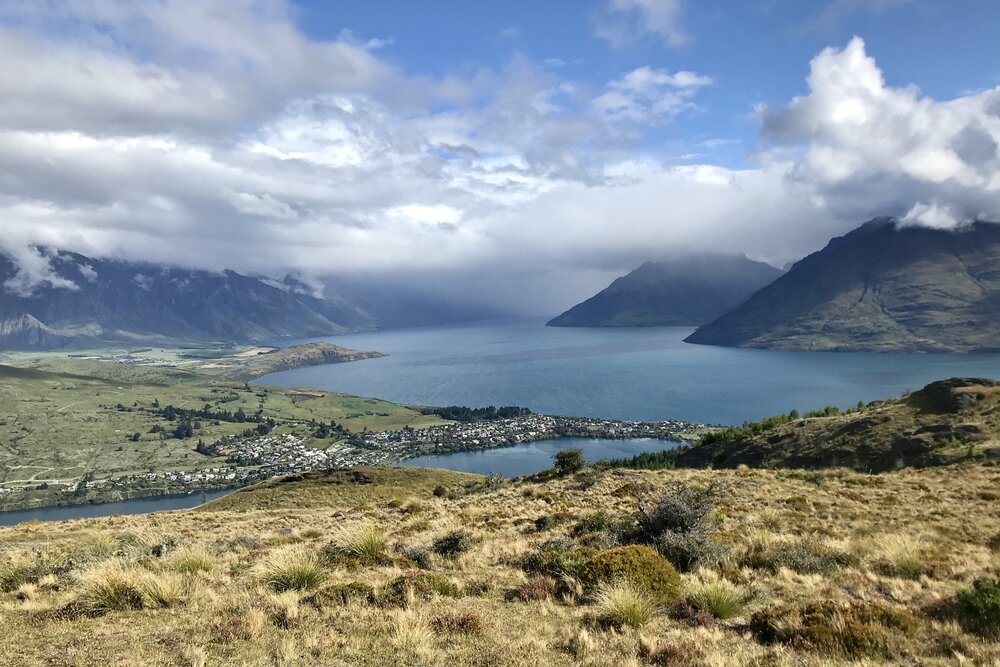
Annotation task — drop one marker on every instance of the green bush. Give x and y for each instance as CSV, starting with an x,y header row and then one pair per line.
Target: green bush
x,y
994,543
979,607
454,544
637,565
545,522
593,523
558,562
807,556
569,461
853,630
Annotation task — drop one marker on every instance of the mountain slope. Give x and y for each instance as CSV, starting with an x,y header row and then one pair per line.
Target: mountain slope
x,y
948,421
878,288
122,301
687,290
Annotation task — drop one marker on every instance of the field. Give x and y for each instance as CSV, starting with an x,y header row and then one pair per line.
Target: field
x,y
419,567
64,418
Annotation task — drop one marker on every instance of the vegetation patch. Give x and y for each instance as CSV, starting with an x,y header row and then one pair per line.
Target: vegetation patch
x,y
638,566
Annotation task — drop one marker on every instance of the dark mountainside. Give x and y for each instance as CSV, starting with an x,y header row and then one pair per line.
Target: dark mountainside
x,y
687,290
132,302
878,288
948,421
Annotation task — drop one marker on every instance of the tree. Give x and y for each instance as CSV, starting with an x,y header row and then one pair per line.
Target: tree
x,y
568,461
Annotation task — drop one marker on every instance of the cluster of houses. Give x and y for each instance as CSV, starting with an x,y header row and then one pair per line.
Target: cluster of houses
x,y
251,459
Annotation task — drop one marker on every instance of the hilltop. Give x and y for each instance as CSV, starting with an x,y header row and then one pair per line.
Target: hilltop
x,y
377,566
882,287
686,290
945,422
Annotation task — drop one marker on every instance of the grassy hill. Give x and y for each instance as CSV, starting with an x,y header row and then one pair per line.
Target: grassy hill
x,y
421,567
945,422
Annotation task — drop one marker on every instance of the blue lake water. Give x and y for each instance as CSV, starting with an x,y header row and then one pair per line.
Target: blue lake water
x,y
531,457
647,373
137,506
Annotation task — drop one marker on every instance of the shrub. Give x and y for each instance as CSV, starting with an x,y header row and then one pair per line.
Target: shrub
x,y
637,565
343,594
112,587
423,585
592,523
682,509
292,570
440,491
569,461
545,522
556,561
993,543
979,607
807,556
534,589
419,556
854,630
722,599
623,605
454,544
459,622
687,654
687,550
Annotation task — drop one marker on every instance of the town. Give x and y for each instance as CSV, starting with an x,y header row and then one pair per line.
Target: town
x,y
248,459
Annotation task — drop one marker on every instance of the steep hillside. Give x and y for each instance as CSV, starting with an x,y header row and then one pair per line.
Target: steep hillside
x,y
105,300
687,290
945,422
879,288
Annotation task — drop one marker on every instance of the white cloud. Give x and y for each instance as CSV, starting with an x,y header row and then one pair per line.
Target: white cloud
x,y
650,95
624,20
864,147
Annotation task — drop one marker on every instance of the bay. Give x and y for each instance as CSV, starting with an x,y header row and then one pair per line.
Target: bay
x,y
89,511
532,457
644,374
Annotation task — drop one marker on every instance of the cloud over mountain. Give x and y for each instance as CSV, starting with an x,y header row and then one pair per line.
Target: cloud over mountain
x,y
219,134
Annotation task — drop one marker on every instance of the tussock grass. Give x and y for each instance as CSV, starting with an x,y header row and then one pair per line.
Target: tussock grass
x,y
292,569
902,555
161,590
722,599
113,586
623,605
192,560
366,542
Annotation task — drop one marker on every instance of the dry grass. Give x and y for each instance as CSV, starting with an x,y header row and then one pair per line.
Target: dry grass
x,y
248,587
623,605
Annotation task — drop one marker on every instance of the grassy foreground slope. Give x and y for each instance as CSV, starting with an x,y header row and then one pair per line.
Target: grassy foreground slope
x,y
423,567
945,422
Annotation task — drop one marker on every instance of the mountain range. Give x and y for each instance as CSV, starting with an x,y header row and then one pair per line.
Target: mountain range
x,y
686,290
102,300
882,287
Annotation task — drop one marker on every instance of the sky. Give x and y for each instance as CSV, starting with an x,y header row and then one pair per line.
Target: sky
x,y
519,153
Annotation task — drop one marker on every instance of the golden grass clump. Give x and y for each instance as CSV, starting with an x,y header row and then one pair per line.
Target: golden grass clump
x,y
623,605
722,599
292,569
192,560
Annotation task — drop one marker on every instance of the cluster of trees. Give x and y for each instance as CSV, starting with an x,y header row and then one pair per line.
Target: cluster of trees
x,y
170,413
461,413
331,430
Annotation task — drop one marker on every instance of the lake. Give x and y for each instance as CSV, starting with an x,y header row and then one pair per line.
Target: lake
x,y
531,457
137,506
645,373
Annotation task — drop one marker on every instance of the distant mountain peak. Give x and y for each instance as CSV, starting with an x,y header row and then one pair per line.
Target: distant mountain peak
x,y
683,290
